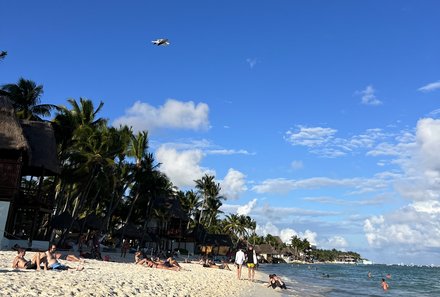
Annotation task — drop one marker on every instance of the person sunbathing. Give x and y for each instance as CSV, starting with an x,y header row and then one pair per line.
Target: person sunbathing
x,y
21,262
153,264
138,259
211,264
170,262
53,263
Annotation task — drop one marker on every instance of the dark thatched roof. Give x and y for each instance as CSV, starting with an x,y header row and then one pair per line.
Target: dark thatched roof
x,y
265,249
43,152
133,232
35,139
218,240
11,133
172,207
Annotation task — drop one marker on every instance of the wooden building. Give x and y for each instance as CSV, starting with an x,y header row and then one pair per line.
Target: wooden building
x,y
28,167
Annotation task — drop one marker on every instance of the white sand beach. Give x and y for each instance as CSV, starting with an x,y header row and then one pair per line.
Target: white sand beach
x,y
121,277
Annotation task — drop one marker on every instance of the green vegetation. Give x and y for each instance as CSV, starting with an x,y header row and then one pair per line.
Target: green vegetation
x,y
110,172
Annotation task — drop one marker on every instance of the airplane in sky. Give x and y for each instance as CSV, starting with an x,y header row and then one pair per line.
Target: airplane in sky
x,y
161,41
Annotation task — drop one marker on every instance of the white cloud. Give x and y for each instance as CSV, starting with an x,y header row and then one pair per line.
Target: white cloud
x,y
359,185
430,87
416,225
335,242
368,96
309,235
285,234
173,114
181,167
267,228
296,165
233,184
247,208
310,136
228,152
322,141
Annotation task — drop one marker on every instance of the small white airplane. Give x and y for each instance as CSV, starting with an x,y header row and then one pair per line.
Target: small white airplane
x,y
161,41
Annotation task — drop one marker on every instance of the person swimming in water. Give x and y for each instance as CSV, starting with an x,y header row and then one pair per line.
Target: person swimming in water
x,y
384,285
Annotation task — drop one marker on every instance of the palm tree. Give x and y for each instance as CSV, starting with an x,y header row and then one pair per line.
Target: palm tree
x,y
3,54
143,168
25,96
190,203
234,225
210,192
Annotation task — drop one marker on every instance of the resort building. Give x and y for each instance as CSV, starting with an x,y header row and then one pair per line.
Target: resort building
x,y
28,167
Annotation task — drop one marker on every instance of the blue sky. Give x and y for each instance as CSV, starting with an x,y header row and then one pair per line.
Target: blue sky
x,y
318,118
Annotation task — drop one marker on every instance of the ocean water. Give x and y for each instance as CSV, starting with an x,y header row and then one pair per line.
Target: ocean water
x,y
352,280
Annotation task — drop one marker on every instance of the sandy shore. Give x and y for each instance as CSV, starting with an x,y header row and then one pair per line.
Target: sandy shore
x,y
120,277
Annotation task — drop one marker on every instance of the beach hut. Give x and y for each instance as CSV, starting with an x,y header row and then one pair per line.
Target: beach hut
x,y
216,244
265,252
28,160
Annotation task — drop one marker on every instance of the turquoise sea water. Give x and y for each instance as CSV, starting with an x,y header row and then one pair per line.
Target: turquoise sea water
x,y
352,280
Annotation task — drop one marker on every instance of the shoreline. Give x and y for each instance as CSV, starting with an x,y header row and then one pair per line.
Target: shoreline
x,y
121,277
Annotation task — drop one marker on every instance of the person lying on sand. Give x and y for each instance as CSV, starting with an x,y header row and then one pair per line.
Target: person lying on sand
x,y
73,258
170,262
53,263
153,264
20,261
275,281
211,264
138,258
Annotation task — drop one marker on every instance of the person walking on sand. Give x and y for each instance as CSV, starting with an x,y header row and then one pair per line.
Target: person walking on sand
x,y
239,260
384,285
251,262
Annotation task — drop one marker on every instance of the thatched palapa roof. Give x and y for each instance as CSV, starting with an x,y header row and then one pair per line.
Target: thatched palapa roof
x,y
11,133
265,248
218,240
43,150
35,139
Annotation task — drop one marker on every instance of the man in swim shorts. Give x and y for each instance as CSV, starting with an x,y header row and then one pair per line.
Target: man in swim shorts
x,y
53,263
251,262
20,261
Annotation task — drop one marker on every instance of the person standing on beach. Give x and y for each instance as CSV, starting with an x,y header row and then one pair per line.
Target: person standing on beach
x,y
384,285
239,260
125,247
251,262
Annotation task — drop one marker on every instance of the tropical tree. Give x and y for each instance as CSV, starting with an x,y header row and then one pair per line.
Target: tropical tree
x,y
3,54
234,225
25,96
190,203
210,192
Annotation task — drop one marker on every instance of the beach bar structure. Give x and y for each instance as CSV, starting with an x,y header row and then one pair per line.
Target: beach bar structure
x,y
28,167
